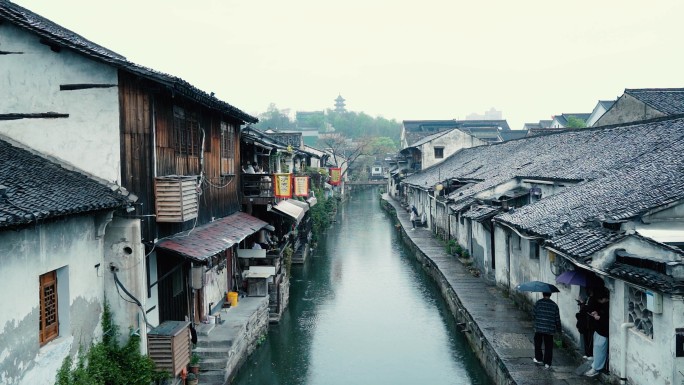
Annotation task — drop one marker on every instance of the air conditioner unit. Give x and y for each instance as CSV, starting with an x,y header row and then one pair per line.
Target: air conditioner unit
x,y
654,302
175,198
168,345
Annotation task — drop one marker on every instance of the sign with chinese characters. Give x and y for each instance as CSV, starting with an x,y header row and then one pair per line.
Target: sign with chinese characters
x,y
301,186
282,185
335,176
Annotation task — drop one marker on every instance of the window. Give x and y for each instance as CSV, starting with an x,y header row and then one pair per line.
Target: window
x,y
49,316
439,152
227,149
637,312
534,250
186,132
515,241
177,282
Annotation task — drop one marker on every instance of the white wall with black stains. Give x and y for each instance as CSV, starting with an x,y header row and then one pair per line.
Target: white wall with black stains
x,y
30,82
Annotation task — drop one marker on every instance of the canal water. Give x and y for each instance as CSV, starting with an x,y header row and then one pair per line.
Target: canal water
x,y
362,311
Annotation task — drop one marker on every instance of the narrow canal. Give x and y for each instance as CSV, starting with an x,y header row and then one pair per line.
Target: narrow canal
x,y
363,312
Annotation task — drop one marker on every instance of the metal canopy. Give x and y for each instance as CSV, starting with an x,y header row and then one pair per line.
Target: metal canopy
x,y
213,238
290,209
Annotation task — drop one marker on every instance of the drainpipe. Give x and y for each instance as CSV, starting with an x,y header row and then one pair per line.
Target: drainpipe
x,y
623,353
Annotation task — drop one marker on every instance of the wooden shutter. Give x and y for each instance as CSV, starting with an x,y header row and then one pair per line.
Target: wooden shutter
x,y
49,319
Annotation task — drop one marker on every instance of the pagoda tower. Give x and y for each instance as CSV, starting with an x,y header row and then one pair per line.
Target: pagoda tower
x,y
339,104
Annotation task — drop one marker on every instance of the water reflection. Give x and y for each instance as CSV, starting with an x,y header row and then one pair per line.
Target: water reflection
x,y
362,311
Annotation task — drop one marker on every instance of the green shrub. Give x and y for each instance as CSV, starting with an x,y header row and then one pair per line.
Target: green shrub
x,y
451,246
107,363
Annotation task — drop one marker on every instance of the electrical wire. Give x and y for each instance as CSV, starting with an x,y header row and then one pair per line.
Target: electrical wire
x,y
136,302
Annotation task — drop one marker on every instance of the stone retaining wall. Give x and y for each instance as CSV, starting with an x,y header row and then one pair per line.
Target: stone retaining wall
x,y
496,369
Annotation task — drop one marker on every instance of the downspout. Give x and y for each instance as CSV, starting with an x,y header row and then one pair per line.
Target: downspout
x,y
623,352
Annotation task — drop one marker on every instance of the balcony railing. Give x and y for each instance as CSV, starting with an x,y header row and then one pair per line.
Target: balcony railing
x,y
257,188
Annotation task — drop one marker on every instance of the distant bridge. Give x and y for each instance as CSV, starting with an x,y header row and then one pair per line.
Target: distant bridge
x,y
367,183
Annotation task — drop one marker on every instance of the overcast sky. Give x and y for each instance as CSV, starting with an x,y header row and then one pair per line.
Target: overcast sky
x,y
428,59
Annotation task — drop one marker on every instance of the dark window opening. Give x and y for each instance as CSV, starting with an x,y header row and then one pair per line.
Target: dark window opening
x,y
439,152
186,132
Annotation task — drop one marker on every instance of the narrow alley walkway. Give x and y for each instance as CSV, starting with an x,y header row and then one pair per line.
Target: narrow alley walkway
x,y
505,332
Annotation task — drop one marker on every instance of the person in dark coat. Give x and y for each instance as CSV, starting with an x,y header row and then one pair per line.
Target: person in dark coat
x,y
546,324
600,315
585,323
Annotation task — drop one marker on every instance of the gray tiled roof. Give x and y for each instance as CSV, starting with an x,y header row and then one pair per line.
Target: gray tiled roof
x,y
647,278
63,37
482,212
625,171
430,137
667,100
581,243
513,134
37,189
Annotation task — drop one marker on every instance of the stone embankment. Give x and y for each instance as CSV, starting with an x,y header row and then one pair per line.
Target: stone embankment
x,y
499,332
224,347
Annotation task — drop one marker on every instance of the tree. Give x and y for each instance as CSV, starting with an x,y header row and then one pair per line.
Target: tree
x,y
345,152
382,145
575,122
274,118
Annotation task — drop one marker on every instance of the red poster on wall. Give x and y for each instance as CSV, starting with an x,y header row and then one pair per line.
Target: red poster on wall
x,y
282,185
301,186
335,176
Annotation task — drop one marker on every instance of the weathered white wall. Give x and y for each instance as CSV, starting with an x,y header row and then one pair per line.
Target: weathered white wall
x,y
125,254
628,109
480,248
649,361
215,288
89,137
451,142
70,245
501,251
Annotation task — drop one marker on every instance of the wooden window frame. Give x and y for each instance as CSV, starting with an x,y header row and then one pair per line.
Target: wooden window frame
x,y
227,149
186,132
49,309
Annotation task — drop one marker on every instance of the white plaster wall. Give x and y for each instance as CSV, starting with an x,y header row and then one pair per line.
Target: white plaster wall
x,y
451,142
649,361
628,109
215,288
497,190
633,245
501,252
480,246
89,137
25,255
124,251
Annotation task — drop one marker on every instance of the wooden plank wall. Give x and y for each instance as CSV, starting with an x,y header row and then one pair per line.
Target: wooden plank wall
x,y
219,196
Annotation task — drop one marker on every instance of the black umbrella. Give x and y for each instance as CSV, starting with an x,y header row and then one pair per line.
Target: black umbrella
x,y
538,287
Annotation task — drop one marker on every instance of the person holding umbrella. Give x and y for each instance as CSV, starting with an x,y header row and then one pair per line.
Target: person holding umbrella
x,y
546,324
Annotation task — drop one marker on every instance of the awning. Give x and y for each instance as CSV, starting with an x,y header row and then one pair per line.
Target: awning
x,y
291,209
303,205
213,238
312,201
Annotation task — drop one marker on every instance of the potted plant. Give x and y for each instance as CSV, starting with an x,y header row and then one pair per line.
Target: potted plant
x,y
194,363
191,379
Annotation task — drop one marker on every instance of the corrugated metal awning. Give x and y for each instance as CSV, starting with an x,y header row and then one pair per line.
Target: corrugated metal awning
x,y
291,209
213,238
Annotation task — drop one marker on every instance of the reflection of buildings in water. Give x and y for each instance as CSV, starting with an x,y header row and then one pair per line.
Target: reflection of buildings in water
x,y
336,271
